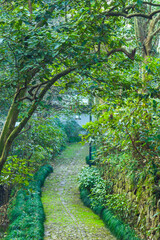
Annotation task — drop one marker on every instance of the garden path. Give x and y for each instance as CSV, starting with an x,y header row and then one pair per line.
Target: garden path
x,y
66,216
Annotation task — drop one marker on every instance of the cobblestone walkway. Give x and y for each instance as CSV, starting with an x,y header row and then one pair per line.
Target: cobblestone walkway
x,y
66,216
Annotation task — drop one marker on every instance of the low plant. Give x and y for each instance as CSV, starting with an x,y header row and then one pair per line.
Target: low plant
x,y
120,205
90,179
115,209
120,230
26,214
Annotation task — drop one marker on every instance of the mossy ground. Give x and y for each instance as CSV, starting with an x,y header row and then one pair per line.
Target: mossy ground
x,y
66,216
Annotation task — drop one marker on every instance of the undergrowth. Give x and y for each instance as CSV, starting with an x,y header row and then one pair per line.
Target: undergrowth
x,y
93,192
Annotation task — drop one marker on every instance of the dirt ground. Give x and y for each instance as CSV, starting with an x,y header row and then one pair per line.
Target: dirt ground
x,y
66,216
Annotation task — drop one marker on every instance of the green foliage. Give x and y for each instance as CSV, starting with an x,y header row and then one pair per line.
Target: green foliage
x,y
48,134
120,230
84,195
121,206
16,172
90,179
97,193
45,138
43,141
116,226
26,213
133,124
133,187
72,129
44,42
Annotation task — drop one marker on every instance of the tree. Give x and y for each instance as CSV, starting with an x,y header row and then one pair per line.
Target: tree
x,y
43,42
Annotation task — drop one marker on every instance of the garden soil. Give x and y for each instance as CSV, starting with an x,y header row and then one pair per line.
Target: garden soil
x,y
66,216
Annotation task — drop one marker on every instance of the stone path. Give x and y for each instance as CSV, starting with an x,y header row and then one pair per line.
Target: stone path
x,y
66,216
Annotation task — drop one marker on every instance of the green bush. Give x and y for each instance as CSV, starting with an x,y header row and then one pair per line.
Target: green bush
x,y
90,178
117,227
93,192
120,205
26,214
72,129
40,144
120,230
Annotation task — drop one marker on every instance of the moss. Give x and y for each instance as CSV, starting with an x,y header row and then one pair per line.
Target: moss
x,y
63,208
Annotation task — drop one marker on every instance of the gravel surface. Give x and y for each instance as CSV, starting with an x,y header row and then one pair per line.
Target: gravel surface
x,y
66,216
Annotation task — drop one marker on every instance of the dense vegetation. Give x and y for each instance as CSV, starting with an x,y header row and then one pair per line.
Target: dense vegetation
x,y
107,50
43,140
90,199
26,212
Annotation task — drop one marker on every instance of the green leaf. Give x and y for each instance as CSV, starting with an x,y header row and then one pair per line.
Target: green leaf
x,y
139,3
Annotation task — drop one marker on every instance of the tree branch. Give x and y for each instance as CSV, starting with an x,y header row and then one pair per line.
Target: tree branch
x,y
125,15
152,4
30,6
130,55
155,32
134,145
126,9
112,8
25,130
36,86
24,98
18,129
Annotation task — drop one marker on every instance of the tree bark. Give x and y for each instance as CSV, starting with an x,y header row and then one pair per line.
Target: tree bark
x,y
10,132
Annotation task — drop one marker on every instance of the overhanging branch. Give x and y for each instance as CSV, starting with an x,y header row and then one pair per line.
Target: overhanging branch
x,y
18,129
36,86
125,15
131,55
152,4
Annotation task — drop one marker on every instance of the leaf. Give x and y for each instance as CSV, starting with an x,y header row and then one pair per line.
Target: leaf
x,y
57,45
139,3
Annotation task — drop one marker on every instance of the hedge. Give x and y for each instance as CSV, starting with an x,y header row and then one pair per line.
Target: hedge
x,y
26,214
120,230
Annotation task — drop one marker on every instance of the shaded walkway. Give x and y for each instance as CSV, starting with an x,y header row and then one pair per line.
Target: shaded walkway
x,y
66,216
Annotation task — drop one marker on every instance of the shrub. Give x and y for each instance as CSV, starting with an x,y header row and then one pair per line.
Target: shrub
x,y
88,177
93,194
91,180
26,214
72,129
120,205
